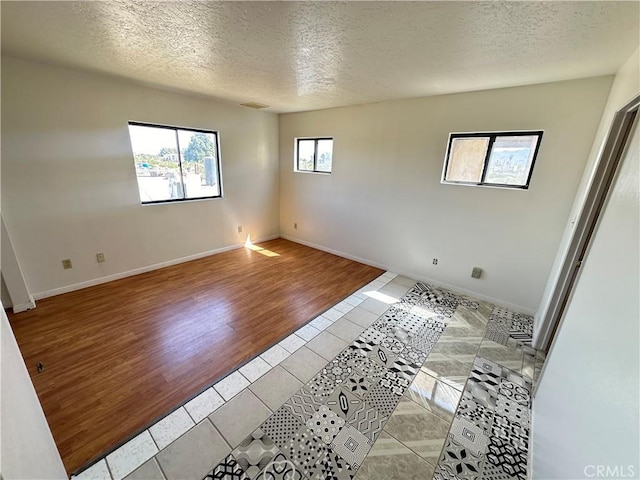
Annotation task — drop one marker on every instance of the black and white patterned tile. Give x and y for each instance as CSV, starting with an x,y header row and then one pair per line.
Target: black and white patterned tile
x,y
325,423
514,392
302,405
494,472
395,382
343,402
469,435
326,429
414,354
280,468
516,413
368,421
514,433
405,368
333,467
382,400
489,437
506,458
228,469
337,371
370,369
476,413
321,386
305,450
504,325
373,336
485,380
351,445
282,425
359,385
255,452
456,461
480,394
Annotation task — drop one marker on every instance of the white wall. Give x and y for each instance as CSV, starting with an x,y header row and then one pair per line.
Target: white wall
x,y
384,201
12,276
586,407
27,447
68,180
624,87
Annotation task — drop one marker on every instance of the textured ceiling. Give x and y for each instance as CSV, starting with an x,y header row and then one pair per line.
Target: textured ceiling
x,y
298,56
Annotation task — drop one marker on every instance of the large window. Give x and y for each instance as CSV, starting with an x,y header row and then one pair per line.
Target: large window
x,y
174,164
498,159
314,155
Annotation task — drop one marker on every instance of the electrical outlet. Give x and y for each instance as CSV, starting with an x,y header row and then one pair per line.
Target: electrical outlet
x,y
295,225
239,228
66,264
100,257
435,261
476,272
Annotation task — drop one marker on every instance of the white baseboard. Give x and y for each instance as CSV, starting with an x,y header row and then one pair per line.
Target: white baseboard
x,y
137,271
25,306
413,275
366,261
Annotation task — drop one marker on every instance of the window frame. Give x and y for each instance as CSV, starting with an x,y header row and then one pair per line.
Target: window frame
x,y
492,138
315,155
176,129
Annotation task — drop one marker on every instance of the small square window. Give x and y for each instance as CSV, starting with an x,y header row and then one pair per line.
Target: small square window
x,y
500,159
314,155
175,164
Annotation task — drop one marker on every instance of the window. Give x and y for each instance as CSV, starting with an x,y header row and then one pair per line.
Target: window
x,y
174,164
314,155
499,159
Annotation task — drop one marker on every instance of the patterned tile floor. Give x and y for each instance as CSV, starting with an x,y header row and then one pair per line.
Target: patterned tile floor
x,y
399,381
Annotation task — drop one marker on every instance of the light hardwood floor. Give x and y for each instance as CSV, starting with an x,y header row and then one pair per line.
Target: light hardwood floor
x,y
118,356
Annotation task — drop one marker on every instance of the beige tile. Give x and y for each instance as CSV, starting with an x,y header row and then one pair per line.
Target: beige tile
x,y
470,318
131,455
148,471
390,460
395,289
275,387
304,364
171,427
346,330
257,367
275,355
332,314
239,417
418,429
378,307
327,345
528,366
434,395
510,356
97,471
404,281
231,385
320,322
362,317
460,350
204,404
194,454
307,332
447,370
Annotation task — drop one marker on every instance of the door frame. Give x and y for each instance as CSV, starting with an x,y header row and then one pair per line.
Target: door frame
x,y
585,224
